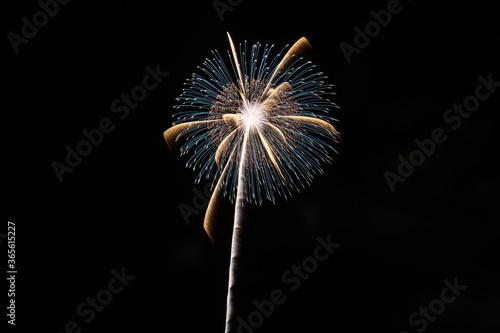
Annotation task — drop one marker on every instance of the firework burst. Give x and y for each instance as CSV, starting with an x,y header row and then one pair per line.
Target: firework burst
x,y
261,126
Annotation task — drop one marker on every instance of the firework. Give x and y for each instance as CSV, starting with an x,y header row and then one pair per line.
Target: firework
x,y
260,125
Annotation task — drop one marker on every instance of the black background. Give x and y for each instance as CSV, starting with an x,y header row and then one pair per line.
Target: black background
x,y
120,207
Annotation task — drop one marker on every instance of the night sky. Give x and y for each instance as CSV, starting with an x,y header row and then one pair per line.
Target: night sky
x,y
409,205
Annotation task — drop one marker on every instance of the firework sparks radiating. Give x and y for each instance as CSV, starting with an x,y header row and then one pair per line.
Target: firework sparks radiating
x,y
262,125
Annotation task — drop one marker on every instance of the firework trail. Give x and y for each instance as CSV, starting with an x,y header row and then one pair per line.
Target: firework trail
x,y
261,124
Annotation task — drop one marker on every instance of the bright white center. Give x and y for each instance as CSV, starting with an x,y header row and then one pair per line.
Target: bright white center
x,y
252,116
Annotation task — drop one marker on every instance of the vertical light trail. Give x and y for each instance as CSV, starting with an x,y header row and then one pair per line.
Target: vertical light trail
x,y
237,227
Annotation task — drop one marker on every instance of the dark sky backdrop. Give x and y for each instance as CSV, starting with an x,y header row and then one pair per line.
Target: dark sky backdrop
x,y
119,208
